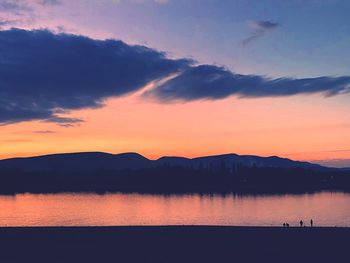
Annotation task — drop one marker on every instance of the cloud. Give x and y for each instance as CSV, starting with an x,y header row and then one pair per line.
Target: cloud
x,y
24,12
64,121
25,5
263,25
4,23
213,82
13,13
260,29
12,6
44,75
49,2
44,132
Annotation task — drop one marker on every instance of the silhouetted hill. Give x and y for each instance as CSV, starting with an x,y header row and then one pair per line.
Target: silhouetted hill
x,y
173,161
233,160
97,171
256,161
77,162
94,161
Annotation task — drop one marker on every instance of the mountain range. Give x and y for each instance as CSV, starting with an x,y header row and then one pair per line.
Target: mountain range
x,y
95,161
131,172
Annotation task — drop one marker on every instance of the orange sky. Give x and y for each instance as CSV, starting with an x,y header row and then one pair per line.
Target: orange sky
x,y
304,127
299,127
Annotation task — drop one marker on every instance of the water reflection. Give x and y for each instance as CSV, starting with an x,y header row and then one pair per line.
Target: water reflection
x,y
327,209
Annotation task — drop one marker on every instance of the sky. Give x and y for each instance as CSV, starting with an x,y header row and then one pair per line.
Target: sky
x,y
176,77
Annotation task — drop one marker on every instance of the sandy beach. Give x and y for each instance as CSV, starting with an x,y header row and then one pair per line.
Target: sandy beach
x,y
174,244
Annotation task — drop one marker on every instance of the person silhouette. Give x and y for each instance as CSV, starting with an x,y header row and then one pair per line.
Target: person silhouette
x,y
301,223
287,225
311,223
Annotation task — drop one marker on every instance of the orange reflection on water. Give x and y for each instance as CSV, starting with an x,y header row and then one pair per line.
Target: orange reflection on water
x,y
327,209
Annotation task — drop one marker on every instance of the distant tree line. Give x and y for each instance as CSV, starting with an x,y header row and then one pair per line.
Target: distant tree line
x,y
178,179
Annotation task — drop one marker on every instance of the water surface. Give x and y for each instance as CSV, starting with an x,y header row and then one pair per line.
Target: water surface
x,y
326,209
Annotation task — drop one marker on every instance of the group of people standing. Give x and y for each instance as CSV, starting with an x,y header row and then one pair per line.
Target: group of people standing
x,y
301,223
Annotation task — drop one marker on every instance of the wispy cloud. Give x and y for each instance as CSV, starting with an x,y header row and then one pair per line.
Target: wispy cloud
x,y
13,6
16,5
49,2
44,132
23,13
213,82
5,23
64,121
260,28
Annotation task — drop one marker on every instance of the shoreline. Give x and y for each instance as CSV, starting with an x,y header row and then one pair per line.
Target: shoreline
x,y
174,244
143,227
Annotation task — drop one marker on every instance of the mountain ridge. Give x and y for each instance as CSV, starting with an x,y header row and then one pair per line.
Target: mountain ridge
x,y
87,161
131,172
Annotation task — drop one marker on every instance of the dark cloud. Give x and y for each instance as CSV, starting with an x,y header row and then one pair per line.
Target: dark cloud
x,y
43,75
260,28
264,25
212,82
64,121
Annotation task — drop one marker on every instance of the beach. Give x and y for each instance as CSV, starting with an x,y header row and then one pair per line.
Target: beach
x,y
174,244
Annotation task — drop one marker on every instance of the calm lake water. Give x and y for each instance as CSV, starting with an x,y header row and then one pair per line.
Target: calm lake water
x,y
326,209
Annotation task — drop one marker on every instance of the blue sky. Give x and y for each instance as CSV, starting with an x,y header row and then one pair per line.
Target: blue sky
x,y
312,38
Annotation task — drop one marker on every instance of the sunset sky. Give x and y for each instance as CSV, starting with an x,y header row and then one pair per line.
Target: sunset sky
x,y
176,77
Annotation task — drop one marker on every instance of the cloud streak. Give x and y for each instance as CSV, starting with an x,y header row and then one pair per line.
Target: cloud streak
x,y
213,82
4,23
44,132
260,29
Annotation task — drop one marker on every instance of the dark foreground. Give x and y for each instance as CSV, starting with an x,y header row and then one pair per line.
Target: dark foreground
x,y
174,244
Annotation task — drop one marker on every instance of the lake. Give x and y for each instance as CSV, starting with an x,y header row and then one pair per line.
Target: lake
x,y
325,208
